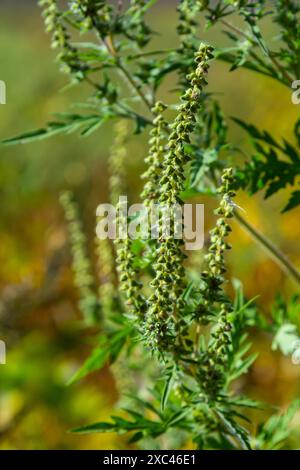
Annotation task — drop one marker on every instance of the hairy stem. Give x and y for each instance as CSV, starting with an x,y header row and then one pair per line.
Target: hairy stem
x,y
272,58
277,255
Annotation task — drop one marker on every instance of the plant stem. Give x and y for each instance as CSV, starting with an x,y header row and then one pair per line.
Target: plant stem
x,y
277,255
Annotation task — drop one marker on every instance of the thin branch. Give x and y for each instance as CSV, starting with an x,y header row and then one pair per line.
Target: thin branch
x,y
277,255
272,250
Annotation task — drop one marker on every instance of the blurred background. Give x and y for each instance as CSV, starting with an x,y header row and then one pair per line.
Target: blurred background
x,y
39,319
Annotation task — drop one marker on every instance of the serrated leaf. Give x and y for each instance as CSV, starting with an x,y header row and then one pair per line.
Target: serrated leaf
x,y
243,366
272,433
266,170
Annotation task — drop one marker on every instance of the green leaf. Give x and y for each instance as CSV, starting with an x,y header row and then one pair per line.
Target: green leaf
x,y
242,366
108,351
272,433
95,362
177,417
266,170
201,165
235,430
140,124
245,402
188,291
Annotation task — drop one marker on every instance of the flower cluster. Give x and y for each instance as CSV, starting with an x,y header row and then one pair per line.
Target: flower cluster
x,y
84,281
154,160
93,14
187,28
173,177
214,305
187,10
166,302
212,278
128,273
68,55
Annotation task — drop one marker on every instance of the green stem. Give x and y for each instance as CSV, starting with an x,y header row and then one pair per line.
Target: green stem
x,y
277,255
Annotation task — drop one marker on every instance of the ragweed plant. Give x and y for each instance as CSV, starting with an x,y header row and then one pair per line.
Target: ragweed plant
x,y
184,334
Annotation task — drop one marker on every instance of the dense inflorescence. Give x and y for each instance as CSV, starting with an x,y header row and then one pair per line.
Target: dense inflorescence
x,y
155,158
212,278
128,273
166,303
107,278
